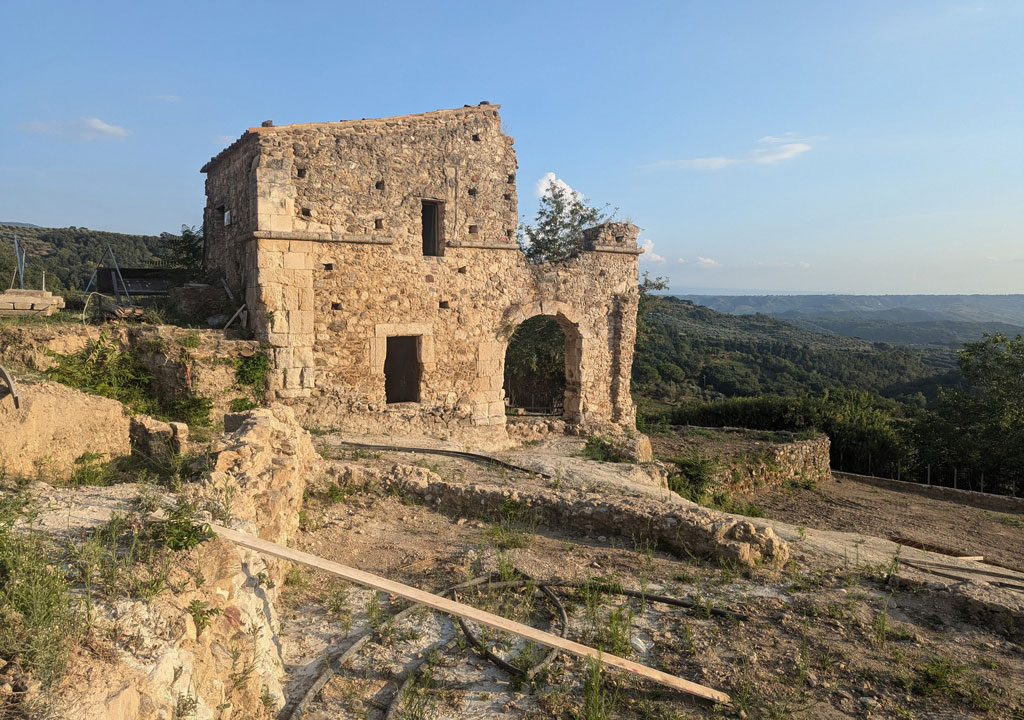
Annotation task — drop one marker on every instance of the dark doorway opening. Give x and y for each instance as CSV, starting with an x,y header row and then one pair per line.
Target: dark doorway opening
x,y
535,367
402,370
432,214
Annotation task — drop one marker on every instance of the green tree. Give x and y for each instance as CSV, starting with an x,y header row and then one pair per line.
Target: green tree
x,y
185,251
557,232
980,429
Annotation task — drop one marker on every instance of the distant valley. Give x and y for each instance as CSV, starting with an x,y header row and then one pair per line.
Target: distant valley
x,y
938,320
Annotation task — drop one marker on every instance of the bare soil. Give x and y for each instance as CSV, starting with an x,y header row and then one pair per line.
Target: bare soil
x,y
902,513
823,639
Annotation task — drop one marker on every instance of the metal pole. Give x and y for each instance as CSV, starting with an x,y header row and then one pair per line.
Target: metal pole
x,y
954,478
118,270
983,481
19,259
929,474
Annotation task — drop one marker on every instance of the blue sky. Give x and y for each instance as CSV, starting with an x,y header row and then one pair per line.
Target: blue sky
x,y
783,146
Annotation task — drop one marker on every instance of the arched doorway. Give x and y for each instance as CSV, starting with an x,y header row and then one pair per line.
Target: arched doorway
x,y
541,371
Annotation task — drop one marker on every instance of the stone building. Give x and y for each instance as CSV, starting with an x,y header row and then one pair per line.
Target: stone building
x,y
379,262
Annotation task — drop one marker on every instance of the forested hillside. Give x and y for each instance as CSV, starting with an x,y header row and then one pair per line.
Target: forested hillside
x,y
69,255
686,351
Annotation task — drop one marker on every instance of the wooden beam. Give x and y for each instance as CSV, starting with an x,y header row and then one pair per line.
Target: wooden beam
x,y
466,611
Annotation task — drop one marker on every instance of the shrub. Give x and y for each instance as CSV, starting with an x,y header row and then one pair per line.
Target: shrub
x,y
38,622
241,404
695,476
103,368
252,371
602,450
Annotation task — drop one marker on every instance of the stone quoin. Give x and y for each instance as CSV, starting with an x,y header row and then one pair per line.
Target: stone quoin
x,y
379,262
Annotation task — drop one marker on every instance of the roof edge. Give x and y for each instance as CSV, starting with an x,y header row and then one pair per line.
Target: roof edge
x,y
255,131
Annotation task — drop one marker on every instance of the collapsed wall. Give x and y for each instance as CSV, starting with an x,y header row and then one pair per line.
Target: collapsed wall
x,y
206,646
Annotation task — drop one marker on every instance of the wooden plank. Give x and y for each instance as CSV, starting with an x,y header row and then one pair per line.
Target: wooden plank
x,y
466,611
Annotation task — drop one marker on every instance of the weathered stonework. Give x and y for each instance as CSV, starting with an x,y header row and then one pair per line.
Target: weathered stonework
x,y
323,226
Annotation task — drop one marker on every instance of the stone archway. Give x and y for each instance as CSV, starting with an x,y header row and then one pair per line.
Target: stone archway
x,y
569,321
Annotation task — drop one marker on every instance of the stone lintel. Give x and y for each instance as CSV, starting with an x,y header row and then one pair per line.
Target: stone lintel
x,y
616,249
322,237
483,246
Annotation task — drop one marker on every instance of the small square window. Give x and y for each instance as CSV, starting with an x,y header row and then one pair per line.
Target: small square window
x,y
378,224
511,178
476,137
444,305
474,229
328,266
472,192
301,172
337,306
306,212
379,185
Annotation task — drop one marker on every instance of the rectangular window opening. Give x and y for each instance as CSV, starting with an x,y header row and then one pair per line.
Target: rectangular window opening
x,y
337,306
474,229
306,212
444,305
379,185
402,369
301,172
328,266
472,192
433,212
378,224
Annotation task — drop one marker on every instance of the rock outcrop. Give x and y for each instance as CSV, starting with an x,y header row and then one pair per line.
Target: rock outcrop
x,y
54,426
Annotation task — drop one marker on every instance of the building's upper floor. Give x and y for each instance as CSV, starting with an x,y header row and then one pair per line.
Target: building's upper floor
x,y
419,183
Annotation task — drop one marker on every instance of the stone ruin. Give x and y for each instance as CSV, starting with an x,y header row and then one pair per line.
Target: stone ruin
x,y
379,262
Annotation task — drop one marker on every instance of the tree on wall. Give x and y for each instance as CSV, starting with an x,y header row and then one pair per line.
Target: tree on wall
x,y
557,232
185,251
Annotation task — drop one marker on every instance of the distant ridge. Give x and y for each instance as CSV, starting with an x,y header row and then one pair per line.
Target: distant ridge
x,y
947,320
18,224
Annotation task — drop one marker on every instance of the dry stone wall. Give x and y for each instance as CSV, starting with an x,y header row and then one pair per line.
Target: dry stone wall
x,y
335,265
680,526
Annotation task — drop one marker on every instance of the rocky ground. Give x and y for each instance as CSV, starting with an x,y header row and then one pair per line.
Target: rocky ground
x,y
826,621
825,636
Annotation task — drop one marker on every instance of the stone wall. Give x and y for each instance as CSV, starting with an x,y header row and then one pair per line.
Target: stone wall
x,y
335,265
804,461
180,360
679,526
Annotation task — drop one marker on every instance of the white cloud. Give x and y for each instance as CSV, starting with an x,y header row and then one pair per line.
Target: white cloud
x,y
649,254
80,129
804,265
706,262
168,98
681,261
779,153
543,186
711,163
780,148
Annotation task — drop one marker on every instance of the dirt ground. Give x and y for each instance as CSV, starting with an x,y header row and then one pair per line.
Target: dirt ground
x,y
822,639
901,513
